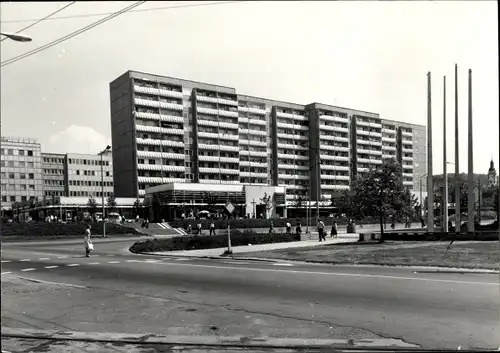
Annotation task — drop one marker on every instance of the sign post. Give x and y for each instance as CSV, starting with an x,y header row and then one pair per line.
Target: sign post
x,y
230,209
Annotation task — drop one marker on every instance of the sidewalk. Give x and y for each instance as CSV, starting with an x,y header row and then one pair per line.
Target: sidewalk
x,y
343,238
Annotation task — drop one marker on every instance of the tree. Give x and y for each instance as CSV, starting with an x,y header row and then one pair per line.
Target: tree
x,y
111,202
350,205
138,207
380,192
407,205
92,205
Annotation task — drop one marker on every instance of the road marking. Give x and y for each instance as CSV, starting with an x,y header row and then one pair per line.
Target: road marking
x,y
331,274
6,273
28,269
24,260
93,263
43,258
62,257
113,262
5,261
152,260
131,260
54,266
237,262
282,264
73,265
182,259
48,282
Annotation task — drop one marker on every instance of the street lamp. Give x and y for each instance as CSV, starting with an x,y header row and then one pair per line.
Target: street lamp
x,y
108,147
16,37
421,196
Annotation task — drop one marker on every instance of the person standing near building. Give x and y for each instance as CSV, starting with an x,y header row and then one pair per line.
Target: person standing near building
x,y
334,229
87,241
321,230
212,227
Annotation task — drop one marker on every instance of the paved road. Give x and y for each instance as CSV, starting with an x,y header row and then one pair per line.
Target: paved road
x,y
115,291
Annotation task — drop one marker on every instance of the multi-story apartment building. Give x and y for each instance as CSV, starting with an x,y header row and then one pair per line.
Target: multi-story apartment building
x,y
169,130
83,175
21,177
53,172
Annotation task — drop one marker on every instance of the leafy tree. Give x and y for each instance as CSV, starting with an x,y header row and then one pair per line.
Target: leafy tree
x,y
349,204
407,205
92,205
111,202
138,207
380,192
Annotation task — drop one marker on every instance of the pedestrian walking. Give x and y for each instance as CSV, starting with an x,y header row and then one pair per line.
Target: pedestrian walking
x,y
199,228
288,228
189,229
88,241
298,229
212,228
271,228
321,230
334,229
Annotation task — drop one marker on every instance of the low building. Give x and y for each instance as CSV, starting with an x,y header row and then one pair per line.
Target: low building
x,y
170,201
53,174
84,177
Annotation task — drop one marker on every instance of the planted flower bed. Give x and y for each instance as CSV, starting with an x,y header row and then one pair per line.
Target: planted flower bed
x,y
209,242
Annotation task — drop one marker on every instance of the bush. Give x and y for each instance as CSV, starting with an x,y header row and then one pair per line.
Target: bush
x,y
264,223
438,236
210,242
59,229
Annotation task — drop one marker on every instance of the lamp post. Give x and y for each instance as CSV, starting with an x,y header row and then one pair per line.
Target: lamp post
x,y
108,147
421,196
16,37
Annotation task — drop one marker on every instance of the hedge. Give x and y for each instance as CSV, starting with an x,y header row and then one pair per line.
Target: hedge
x,y
58,229
264,223
209,242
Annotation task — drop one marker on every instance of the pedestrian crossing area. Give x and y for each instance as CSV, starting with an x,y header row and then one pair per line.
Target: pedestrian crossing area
x,y
167,226
33,264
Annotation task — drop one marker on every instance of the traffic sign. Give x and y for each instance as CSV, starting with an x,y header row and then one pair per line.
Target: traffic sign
x,y
229,207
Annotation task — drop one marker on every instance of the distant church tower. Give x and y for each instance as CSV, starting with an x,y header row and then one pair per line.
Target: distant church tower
x,y
492,175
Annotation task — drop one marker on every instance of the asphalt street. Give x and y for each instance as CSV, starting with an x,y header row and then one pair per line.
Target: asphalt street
x,y
116,291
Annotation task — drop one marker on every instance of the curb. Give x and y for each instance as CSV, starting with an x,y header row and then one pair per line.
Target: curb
x,y
229,341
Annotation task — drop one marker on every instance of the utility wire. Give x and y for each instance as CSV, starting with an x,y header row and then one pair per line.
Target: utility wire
x,y
69,36
139,10
42,19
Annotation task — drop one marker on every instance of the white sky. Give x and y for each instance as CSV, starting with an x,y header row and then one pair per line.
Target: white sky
x,y
371,56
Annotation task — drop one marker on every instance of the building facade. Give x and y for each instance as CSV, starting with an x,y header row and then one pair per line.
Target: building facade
x,y
83,177
169,130
21,176
53,174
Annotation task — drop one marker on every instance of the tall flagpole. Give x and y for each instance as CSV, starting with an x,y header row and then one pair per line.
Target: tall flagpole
x,y
470,176
445,159
458,217
430,191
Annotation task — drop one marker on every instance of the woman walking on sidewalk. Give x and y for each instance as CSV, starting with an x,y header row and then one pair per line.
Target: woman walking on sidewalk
x,y
334,229
87,241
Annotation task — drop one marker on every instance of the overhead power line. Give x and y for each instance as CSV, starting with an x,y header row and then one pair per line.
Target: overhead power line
x,y
71,35
138,10
42,19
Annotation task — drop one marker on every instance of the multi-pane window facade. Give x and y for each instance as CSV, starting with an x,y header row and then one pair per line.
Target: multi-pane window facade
x,y
84,177
53,171
21,177
167,130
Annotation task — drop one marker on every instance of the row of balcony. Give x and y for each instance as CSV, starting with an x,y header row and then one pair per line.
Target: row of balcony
x,y
166,118
368,133
214,135
220,112
368,142
222,124
252,110
216,100
253,132
292,126
157,91
376,125
161,167
253,175
253,153
334,138
218,159
163,155
337,119
160,130
158,104
334,158
371,152
333,128
369,160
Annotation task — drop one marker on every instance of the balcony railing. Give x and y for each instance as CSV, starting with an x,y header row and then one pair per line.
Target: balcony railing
x,y
156,142
157,129
337,119
253,153
158,180
166,118
166,155
334,158
161,167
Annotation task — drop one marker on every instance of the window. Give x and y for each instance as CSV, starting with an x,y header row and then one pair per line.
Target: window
x,y
22,164
93,173
11,176
151,161
140,161
2,163
30,165
4,198
10,152
12,199
78,172
31,176
107,174
3,151
23,198
21,152
22,176
10,163
30,153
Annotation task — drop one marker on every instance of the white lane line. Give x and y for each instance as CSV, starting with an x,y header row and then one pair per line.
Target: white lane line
x,y
6,273
331,274
131,260
237,262
43,258
152,260
48,282
51,266
24,260
182,259
282,264
73,265
5,261
28,269
113,262
93,263
62,257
